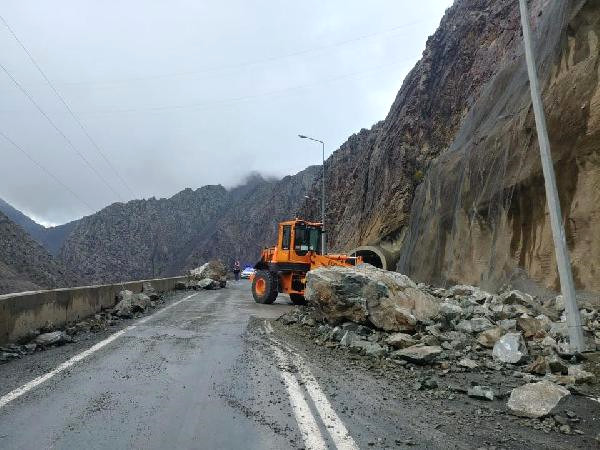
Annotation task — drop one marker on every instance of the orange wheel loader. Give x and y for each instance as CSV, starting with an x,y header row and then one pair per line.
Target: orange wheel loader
x,y
283,268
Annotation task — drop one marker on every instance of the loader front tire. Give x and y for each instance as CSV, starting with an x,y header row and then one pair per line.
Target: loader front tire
x,y
264,287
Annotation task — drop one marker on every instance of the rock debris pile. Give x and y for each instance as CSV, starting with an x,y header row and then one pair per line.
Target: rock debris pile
x,y
129,306
211,275
384,314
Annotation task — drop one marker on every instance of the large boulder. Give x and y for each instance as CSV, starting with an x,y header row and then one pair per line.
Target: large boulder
x,y
536,399
389,300
215,270
130,303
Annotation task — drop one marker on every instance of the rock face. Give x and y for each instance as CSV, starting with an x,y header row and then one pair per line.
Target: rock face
x,y
535,399
388,300
25,265
153,238
451,182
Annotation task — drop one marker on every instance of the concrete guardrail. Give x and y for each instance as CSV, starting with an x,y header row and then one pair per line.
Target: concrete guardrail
x,y
22,312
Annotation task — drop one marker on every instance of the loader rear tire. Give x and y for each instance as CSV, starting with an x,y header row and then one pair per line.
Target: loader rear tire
x,y
264,287
298,299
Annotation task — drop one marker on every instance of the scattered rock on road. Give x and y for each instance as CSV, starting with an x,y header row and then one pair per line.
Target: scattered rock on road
x,y
53,338
536,399
418,354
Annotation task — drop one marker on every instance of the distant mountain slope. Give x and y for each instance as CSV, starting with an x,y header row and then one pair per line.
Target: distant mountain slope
x,y
25,264
153,238
51,238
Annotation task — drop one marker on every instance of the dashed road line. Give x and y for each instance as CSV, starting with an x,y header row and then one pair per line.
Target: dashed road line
x,y
333,424
16,393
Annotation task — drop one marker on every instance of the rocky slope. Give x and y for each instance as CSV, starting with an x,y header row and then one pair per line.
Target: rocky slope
x,y
153,238
51,238
450,182
25,264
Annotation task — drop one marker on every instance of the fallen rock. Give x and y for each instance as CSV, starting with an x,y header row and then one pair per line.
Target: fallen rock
x,y
539,366
129,303
369,348
479,324
389,300
180,286
581,376
530,327
489,337
510,348
418,354
400,340
54,338
208,283
215,270
468,363
149,290
557,365
450,310
8,356
481,392
535,399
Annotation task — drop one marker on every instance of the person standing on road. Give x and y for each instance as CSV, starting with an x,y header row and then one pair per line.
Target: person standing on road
x,y
236,270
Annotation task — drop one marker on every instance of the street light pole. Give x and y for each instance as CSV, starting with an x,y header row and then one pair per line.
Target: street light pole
x,y
560,245
323,239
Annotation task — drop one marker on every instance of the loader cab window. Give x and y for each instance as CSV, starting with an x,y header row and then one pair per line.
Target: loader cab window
x,y
307,239
287,237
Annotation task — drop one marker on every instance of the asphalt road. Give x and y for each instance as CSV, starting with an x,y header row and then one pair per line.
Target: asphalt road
x,y
185,377
211,370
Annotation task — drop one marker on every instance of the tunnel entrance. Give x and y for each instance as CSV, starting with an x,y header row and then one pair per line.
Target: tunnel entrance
x,y
371,255
370,258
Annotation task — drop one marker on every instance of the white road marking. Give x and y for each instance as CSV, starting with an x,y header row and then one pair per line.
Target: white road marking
x,y
304,417
334,425
268,327
5,399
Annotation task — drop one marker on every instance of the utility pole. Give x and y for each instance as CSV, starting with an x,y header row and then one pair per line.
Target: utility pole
x,y
576,339
323,238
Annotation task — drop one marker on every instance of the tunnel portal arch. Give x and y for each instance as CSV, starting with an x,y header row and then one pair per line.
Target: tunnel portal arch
x,y
373,255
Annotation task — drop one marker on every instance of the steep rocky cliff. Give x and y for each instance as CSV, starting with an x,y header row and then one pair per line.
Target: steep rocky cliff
x,y
25,264
450,182
151,238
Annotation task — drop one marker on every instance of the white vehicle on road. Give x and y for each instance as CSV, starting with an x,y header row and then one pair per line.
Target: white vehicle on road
x,y
247,272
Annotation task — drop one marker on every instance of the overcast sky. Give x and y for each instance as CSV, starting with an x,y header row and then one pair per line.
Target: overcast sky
x,y
184,93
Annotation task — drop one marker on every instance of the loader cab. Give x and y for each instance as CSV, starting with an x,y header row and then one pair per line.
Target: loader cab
x,y
297,239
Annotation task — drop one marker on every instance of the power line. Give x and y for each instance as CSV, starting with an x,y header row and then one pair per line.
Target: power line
x,y
51,122
60,97
50,174
234,100
248,63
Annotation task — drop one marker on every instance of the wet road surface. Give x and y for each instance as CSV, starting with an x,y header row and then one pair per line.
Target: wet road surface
x,y
163,383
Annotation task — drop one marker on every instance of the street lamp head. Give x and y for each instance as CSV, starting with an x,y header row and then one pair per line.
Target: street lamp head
x,y
301,136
